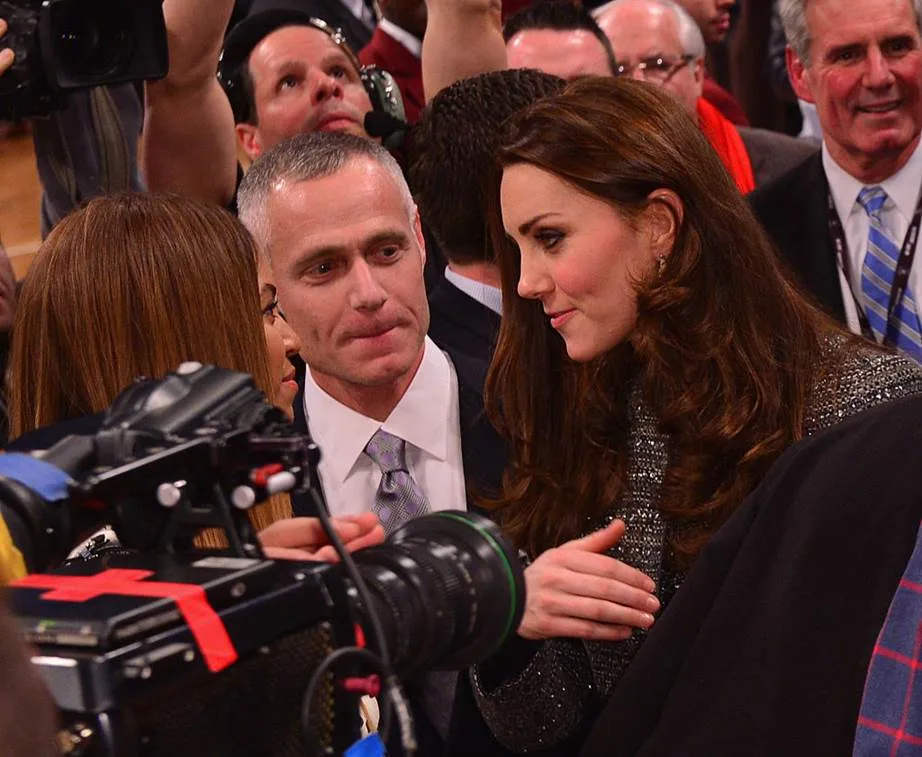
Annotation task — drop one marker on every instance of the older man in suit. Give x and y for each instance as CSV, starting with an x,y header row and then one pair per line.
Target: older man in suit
x,y
847,220
401,430
658,41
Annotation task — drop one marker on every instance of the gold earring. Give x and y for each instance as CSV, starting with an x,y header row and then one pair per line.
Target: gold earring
x,y
661,263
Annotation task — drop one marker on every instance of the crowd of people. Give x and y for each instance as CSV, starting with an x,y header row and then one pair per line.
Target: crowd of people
x,y
535,260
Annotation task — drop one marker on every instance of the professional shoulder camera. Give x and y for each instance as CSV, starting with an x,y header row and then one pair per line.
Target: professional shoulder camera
x,y
62,45
162,648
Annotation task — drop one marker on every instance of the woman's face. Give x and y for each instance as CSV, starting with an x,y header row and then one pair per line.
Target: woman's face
x,y
281,341
579,257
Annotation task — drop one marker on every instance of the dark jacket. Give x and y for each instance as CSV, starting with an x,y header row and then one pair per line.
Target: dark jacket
x,y
764,649
794,211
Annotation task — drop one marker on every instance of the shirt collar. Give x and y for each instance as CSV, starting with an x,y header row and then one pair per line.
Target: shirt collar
x,y
485,294
902,188
342,433
411,43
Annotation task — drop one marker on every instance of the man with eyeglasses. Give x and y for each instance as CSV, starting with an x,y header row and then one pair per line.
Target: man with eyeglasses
x,y
659,42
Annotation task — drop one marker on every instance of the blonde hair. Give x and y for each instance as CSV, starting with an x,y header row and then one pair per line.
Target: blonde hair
x,y
132,285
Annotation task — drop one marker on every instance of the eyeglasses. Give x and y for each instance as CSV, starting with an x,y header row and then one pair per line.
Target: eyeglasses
x,y
659,69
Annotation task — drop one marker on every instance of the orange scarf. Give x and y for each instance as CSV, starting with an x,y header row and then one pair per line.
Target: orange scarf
x,y
728,143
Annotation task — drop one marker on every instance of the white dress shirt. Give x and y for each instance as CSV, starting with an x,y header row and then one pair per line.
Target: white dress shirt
x,y
487,295
902,195
427,418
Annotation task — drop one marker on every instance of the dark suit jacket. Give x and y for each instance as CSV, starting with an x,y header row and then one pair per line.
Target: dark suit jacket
x,y
387,53
764,649
773,154
461,324
484,457
793,210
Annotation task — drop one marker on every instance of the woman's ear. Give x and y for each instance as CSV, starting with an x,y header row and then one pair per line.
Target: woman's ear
x,y
663,218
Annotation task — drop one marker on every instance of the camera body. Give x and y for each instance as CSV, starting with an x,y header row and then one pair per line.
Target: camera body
x,y
62,45
165,648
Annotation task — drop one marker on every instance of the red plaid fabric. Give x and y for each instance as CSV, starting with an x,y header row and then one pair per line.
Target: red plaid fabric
x,y
890,720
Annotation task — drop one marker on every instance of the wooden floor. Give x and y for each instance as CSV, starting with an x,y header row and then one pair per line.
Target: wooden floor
x,y
19,200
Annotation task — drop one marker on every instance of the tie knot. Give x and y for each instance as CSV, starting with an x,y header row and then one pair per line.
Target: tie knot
x,y
388,451
872,199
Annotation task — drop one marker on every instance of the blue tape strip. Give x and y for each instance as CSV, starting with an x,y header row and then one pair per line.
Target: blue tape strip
x,y
46,479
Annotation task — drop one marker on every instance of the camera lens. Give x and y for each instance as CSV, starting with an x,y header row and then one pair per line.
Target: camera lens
x,y
448,588
93,37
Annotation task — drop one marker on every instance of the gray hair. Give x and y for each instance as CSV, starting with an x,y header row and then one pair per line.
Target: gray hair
x,y
302,158
794,20
690,36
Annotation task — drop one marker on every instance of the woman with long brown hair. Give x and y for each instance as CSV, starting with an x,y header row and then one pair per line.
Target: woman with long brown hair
x,y
132,285
653,361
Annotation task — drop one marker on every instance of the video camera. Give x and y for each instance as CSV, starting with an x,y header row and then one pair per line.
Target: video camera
x,y
62,45
159,647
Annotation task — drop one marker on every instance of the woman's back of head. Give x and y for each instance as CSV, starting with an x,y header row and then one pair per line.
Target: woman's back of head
x,y
132,285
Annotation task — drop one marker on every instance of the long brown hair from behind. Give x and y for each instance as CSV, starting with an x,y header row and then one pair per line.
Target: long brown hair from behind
x,y
132,285
724,349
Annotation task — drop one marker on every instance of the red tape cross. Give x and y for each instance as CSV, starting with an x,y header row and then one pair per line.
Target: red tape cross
x,y
205,624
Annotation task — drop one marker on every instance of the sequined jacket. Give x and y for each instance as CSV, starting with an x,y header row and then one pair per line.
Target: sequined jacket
x,y
547,701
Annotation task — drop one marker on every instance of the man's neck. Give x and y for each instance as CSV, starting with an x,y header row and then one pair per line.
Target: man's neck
x,y
482,272
375,401
872,170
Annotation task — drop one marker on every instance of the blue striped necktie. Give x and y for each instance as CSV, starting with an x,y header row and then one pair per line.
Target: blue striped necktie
x,y
877,274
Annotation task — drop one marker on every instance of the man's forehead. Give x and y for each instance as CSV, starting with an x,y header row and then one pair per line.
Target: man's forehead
x,y
301,43
358,189
643,28
838,22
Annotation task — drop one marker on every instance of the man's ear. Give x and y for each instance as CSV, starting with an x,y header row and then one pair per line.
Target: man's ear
x,y
248,135
662,219
418,230
799,76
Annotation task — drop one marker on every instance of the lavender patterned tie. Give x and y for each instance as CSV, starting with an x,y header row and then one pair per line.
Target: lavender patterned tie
x,y
399,497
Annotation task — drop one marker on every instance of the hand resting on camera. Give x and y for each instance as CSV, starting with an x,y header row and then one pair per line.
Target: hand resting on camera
x,y
305,539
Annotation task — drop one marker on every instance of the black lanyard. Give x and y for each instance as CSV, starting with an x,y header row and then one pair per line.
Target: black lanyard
x,y
900,278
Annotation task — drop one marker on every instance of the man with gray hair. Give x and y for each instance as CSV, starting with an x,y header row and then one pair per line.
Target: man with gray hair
x,y
657,41
847,220
399,422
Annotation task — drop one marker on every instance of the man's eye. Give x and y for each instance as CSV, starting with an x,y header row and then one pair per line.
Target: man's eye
x,y
288,82
340,72
657,65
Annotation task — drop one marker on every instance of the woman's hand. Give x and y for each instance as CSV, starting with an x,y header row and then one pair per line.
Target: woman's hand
x,y
6,55
305,539
576,591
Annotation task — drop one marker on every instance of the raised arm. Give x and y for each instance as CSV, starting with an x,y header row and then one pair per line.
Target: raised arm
x,y
189,144
463,38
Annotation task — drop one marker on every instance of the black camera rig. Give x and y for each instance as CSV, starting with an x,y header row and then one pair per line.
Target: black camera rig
x,y
163,648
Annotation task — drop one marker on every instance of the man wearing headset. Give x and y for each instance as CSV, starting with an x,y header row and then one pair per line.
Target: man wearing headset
x,y
285,74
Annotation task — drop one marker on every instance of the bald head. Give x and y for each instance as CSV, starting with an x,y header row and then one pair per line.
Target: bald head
x,y
644,30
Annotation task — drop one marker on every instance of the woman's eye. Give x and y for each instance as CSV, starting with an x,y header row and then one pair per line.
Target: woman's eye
x,y
271,311
548,238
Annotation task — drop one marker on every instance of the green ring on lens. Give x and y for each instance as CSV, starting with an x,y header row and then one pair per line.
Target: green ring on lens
x,y
489,537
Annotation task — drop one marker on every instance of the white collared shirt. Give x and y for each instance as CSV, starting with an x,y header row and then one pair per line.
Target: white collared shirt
x,y
902,195
362,12
487,295
411,43
427,418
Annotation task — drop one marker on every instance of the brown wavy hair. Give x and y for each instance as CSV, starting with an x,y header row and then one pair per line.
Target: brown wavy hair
x,y
724,349
132,285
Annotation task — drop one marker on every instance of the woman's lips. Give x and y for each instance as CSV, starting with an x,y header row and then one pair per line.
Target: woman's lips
x,y
559,319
